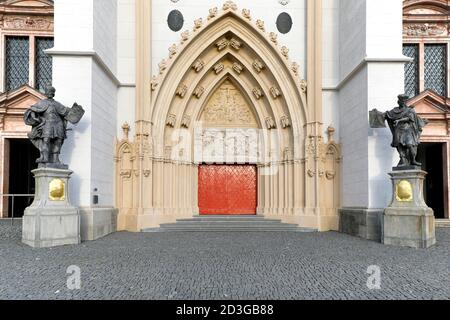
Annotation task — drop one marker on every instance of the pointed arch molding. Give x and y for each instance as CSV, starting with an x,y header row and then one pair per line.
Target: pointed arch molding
x,y
227,38
231,54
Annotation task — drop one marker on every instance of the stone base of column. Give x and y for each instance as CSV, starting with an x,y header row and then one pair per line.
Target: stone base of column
x,y
408,221
51,221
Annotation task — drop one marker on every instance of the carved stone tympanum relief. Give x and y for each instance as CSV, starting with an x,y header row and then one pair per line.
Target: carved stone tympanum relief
x,y
227,106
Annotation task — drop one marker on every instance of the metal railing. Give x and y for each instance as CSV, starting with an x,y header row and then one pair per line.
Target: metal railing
x,y
6,206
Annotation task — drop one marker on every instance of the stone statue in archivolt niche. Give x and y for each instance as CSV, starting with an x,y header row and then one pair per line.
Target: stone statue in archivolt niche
x,y
406,127
49,120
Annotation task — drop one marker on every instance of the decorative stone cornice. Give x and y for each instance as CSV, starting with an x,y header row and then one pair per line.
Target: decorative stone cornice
x,y
26,23
425,30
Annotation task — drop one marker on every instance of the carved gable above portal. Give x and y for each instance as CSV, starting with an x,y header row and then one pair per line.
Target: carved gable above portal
x,y
425,19
228,107
30,15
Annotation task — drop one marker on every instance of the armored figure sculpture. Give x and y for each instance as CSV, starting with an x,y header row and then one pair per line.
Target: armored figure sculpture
x,y
406,127
49,119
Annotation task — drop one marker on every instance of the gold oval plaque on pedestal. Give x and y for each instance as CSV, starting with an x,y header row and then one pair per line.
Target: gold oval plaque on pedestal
x,y
404,191
57,190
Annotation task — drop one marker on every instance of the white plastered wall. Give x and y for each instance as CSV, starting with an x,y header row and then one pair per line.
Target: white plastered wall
x,y
84,71
126,64
266,10
330,76
371,76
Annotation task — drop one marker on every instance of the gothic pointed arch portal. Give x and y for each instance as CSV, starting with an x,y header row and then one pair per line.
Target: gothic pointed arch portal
x,y
227,94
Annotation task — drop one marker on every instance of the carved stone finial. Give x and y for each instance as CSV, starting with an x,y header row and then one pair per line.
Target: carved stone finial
x,y
185,36
212,13
295,68
162,66
198,24
246,14
229,5
172,51
126,130
330,133
273,37
285,52
304,86
154,83
260,25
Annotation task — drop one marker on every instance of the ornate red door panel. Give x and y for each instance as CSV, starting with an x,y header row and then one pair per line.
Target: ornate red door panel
x,y
227,189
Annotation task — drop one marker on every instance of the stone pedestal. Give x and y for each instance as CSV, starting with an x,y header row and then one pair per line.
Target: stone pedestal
x,y
408,221
51,221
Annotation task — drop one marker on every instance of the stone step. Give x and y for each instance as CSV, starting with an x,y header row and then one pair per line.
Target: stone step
x,y
227,218
229,224
227,230
442,223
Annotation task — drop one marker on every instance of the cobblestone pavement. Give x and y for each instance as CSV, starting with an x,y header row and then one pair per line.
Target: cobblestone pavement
x,y
223,266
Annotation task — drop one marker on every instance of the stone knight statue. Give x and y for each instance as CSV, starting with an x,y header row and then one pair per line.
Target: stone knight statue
x,y
406,127
49,119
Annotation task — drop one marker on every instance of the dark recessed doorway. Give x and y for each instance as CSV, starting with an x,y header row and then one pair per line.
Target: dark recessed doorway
x,y
22,160
434,159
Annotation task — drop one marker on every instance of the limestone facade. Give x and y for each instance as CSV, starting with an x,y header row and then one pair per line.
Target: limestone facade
x,y
185,107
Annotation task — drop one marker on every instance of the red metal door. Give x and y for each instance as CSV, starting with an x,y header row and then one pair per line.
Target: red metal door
x,y
227,190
